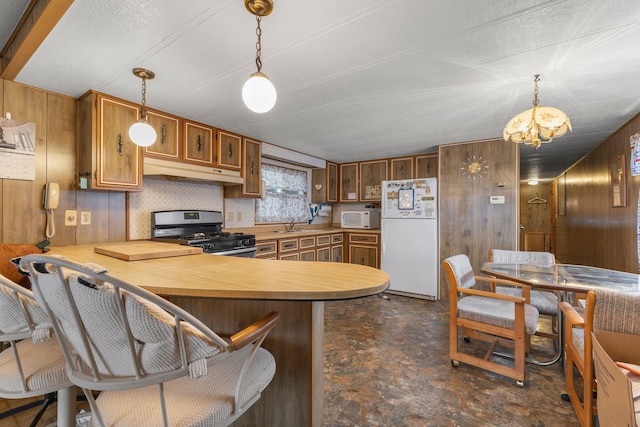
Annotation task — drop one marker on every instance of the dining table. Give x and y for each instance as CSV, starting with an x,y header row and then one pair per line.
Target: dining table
x,y
566,280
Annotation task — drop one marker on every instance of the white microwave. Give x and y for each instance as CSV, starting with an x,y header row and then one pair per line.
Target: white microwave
x,y
360,219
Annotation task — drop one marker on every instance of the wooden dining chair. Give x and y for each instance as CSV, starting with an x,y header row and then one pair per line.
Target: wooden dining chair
x,y
605,310
153,363
487,316
545,301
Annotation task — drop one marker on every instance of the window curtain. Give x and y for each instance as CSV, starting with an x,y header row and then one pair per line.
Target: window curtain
x,y
285,196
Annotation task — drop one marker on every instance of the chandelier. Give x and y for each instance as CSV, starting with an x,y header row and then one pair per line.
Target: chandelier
x,y
537,125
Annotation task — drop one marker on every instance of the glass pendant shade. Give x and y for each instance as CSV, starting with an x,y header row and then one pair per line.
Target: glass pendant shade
x,y
537,125
258,93
142,133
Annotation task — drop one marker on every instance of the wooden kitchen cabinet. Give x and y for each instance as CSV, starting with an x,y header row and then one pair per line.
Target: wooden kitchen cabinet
x,y
371,176
324,184
349,182
337,247
106,155
427,166
402,168
229,150
364,249
251,172
198,143
167,145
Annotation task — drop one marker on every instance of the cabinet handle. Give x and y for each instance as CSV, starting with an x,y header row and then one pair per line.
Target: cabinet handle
x,y
264,249
230,151
199,143
428,166
253,167
401,170
119,145
163,134
348,183
333,182
362,261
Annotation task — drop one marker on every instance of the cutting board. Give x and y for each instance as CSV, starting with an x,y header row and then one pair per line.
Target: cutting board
x,y
135,251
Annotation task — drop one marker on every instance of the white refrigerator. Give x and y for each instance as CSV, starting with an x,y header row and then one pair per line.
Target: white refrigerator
x,y
410,236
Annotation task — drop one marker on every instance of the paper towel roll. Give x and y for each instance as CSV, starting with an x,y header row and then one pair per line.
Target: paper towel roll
x,y
325,210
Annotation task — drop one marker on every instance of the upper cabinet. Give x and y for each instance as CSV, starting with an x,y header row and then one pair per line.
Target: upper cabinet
x,y
402,168
324,184
251,172
349,182
229,150
198,143
106,155
167,127
427,166
371,176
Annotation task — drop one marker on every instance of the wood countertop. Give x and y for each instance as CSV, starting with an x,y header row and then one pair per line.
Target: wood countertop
x,y
211,276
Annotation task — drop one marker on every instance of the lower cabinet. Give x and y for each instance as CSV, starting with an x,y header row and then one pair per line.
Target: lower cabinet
x,y
267,250
322,247
364,249
288,249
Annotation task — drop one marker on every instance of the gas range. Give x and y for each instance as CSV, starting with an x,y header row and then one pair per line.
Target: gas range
x,y
201,229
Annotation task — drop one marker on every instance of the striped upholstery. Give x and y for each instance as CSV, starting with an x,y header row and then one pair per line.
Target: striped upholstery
x,y
496,312
617,312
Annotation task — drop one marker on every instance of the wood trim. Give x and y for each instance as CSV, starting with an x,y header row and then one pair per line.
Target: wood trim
x,y
37,22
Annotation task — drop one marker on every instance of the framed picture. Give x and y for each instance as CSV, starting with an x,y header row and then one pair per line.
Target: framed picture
x,y
619,182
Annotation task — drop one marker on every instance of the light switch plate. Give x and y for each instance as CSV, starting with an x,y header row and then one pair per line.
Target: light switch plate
x,y
70,218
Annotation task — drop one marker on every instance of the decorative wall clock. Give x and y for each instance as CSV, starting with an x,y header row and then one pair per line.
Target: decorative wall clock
x,y
474,167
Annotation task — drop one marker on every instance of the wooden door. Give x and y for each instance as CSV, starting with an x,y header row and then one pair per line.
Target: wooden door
x,y
229,150
198,144
167,145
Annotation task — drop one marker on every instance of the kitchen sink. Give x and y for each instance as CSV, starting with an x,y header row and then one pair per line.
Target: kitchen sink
x,y
290,231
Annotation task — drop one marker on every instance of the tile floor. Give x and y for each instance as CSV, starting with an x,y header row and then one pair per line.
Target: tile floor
x,y
387,364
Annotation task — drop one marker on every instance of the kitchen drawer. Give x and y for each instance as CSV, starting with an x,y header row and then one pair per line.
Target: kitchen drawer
x,y
291,257
337,238
307,242
266,248
364,238
323,240
286,245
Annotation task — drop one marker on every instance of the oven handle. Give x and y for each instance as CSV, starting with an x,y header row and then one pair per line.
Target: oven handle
x,y
235,251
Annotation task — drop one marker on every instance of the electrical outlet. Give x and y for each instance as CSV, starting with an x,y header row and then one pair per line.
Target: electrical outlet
x,y
85,218
71,218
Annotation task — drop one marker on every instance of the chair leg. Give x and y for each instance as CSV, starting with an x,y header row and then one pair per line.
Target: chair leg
x,y
49,398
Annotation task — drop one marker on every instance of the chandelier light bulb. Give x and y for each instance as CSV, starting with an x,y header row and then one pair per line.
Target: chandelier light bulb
x,y
258,93
142,133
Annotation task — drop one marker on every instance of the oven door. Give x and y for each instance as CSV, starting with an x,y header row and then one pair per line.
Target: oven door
x,y
249,252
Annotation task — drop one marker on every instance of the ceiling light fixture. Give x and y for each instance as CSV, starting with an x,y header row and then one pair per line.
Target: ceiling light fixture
x,y
141,132
532,182
537,125
258,93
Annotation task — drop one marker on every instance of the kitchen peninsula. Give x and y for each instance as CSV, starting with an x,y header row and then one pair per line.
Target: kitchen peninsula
x,y
228,293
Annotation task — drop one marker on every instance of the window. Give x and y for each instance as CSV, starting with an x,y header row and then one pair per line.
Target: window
x,y
285,196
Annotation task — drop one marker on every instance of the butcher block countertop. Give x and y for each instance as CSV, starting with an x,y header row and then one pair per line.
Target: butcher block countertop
x,y
136,251
205,275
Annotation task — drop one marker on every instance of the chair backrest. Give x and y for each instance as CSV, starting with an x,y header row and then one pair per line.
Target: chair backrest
x,y
542,259
20,315
116,335
616,311
459,272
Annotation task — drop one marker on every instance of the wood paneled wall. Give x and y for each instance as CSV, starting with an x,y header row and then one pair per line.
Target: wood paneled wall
x,y
468,224
593,232
22,217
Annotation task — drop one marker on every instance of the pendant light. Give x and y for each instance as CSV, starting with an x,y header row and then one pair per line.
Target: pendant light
x,y
141,132
537,125
258,93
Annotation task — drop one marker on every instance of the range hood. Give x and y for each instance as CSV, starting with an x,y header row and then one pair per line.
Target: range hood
x,y
176,170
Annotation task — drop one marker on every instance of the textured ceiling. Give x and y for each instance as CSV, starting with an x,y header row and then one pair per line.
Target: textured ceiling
x,y
359,79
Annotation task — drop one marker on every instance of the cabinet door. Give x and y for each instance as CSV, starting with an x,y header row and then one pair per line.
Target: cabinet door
x,y
427,166
198,144
349,182
363,255
168,130
332,182
402,168
337,253
318,185
119,161
309,255
323,254
251,168
371,176
229,147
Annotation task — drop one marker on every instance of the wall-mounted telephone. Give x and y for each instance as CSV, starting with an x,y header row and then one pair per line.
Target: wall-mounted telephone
x,y
50,198
51,195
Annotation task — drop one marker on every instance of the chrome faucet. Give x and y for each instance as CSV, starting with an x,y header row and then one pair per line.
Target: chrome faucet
x,y
291,225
